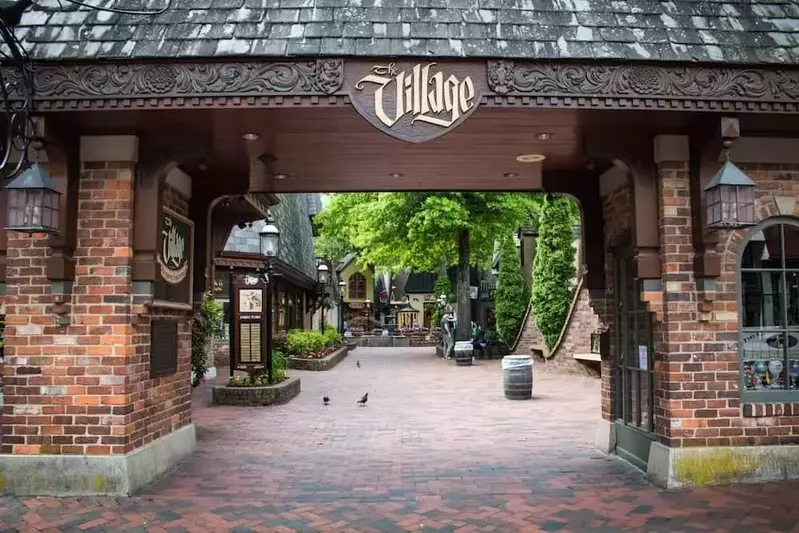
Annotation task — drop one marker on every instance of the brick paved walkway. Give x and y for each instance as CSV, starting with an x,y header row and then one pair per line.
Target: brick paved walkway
x,y
437,448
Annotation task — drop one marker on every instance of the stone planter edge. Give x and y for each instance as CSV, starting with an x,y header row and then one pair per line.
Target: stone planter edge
x,y
278,394
318,365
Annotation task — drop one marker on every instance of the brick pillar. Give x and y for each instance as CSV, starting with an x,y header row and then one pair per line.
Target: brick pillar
x,y
74,398
681,386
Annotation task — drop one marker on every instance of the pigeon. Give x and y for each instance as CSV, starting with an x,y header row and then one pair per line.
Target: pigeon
x,y
358,363
363,399
326,400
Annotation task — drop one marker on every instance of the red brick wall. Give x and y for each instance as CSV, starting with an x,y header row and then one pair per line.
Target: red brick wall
x,y
69,393
698,391
577,338
677,334
617,214
29,366
165,401
85,388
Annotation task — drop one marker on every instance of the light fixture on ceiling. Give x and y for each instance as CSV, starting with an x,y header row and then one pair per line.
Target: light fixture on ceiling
x,y
510,175
250,136
544,136
281,176
530,158
395,175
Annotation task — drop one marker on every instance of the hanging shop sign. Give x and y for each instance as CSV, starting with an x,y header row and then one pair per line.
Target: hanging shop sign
x,y
417,102
174,258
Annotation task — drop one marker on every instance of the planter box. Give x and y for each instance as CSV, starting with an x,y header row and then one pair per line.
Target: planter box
x,y
401,342
255,396
325,363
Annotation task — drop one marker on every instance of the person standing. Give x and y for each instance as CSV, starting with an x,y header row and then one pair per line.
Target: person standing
x,y
448,332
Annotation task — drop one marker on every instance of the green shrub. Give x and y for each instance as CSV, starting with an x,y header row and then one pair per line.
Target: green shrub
x,y
332,337
553,268
205,325
512,296
259,377
301,343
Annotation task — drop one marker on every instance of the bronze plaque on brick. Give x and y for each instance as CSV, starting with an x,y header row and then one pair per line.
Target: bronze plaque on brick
x,y
163,347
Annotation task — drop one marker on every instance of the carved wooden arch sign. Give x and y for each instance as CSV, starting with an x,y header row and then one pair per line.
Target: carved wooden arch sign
x,y
416,101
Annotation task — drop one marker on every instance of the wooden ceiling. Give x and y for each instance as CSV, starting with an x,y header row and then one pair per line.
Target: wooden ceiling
x,y
330,149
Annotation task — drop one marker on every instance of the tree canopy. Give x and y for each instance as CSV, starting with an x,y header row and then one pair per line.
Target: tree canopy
x,y
419,231
553,267
423,231
512,295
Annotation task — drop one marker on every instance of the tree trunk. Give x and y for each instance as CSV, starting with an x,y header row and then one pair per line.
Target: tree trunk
x,y
463,332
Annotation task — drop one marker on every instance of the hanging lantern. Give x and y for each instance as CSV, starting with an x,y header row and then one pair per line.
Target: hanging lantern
x,y
33,202
730,199
269,239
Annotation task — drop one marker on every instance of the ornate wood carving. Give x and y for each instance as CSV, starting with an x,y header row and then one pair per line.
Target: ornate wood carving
x,y
321,82
647,86
321,76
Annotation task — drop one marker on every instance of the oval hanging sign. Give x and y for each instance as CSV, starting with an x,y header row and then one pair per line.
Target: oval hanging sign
x,y
416,102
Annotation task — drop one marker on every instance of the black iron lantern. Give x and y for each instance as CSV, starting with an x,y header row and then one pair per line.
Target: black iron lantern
x,y
269,237
730,199
33,202
322,273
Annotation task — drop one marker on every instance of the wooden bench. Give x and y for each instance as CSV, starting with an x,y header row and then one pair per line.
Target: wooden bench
x,y
588,357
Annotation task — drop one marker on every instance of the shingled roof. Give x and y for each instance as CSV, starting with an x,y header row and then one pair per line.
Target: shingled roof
x,y
748,32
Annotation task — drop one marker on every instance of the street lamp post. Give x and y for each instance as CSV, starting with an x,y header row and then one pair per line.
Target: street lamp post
x,y
341,286
269,240
323,277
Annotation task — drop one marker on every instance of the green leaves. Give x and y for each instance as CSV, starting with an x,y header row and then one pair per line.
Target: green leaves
x,y
512,295
553,268
419,231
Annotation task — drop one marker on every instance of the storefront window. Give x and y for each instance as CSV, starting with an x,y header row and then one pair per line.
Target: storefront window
x,y
357,288
769,293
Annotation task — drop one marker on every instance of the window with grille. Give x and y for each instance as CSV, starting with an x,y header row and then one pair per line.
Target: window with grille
x,y
768,288
357,286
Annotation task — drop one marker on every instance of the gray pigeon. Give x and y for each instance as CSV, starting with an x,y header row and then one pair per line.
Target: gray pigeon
x,y
363,399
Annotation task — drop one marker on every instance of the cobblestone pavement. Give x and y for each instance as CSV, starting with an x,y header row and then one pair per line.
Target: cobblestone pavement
x,y
437,448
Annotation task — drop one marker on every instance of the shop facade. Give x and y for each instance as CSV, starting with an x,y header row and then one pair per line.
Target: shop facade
x,y
697,347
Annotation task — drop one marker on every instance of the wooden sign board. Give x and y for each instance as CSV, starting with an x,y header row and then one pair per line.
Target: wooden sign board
x,y
416,101
250,311
175,258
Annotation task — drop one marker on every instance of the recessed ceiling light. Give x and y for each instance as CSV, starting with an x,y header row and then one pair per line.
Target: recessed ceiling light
x,y
250,136
395,175
510,175
281,176
544,136
530,158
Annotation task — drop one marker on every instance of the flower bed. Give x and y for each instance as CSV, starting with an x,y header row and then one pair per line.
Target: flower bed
x,y
250,396
333,358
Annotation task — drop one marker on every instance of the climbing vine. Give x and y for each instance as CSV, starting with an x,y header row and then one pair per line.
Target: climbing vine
x,y
206,324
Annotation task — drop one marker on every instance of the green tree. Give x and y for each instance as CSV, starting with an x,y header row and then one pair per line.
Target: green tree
x,y
425,231
512,294
553,267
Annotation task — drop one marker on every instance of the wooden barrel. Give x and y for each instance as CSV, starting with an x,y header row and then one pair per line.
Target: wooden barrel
x,y
464,351
517,377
